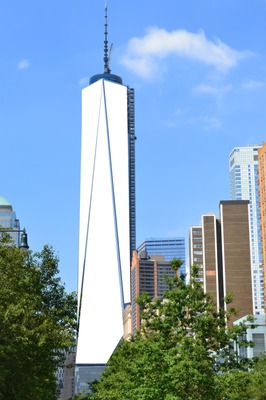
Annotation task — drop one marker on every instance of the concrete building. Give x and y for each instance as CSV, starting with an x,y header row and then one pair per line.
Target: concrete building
x,y
196,250
243,166
147,275
107,218
170,247
256,335
66,376
221,248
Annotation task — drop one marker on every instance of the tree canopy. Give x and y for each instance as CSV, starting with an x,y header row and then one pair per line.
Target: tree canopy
x,y
182,351
37,323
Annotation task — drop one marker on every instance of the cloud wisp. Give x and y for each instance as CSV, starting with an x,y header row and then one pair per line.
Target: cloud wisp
x,y
143,55
212,90
84,81
253,85
23,64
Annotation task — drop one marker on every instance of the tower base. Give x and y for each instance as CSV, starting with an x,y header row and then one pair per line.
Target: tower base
x,y
85,374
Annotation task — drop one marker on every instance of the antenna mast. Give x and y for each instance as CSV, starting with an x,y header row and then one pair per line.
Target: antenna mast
x,y
106,57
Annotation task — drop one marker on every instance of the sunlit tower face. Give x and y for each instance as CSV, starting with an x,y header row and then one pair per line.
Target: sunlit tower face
x,y
104,246
107,219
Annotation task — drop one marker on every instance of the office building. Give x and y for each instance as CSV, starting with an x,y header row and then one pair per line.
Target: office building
x,y
9,221
196,250
243,165
169,247
66,376
262,202
256,333
107,217
221,248
147,275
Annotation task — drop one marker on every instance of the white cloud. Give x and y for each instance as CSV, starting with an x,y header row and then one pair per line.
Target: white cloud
x,y
23,64
207,122
210,122
212,90
178,111
84,81
143,55
253,85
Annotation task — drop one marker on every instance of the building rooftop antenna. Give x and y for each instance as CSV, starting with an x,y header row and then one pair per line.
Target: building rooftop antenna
x,y
106,57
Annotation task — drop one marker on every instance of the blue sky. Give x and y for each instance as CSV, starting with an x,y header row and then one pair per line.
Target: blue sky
x,y
199,72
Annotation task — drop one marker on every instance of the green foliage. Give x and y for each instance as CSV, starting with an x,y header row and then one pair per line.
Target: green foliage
x,y
37,323
183,344
245,385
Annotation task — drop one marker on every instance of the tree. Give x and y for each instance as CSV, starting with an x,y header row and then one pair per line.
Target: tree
x,y
37,323
245,385
183,344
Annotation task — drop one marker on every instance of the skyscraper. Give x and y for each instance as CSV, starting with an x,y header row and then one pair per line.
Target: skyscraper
x,y
262,200
221,248
169,247
243,164
196,251
107,214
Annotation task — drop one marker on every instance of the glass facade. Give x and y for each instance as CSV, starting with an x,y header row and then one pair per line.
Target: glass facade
x,y
171,247
132,185
147,276
8,219
243,166
85,374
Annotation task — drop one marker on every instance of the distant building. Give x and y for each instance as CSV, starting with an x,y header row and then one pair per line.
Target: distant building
x,y
8,220
243,165
66,376
221,248
147,275
262,201
127,319
196,250
169,247
256,335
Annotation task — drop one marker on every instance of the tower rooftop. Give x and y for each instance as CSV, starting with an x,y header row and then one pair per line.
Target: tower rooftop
x,y
107,52
106,76
4,202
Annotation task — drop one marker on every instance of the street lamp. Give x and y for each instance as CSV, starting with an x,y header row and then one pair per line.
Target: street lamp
x,y
23,245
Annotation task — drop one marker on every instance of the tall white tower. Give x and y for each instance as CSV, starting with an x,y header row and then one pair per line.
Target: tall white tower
x,y
107,216
243,165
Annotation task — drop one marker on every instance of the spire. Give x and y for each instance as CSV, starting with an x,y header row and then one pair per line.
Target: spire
x,y
106,57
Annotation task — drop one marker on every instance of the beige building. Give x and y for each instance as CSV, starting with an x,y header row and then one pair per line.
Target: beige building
x,y
148,275
66,376
221,248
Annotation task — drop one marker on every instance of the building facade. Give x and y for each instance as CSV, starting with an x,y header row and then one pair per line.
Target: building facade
x,y
196,250
170,247
256,333
221,248
243,165
148,275
107,217
66,376
262,201
8,220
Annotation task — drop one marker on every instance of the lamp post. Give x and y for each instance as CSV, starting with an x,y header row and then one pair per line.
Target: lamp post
x,y
23,245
